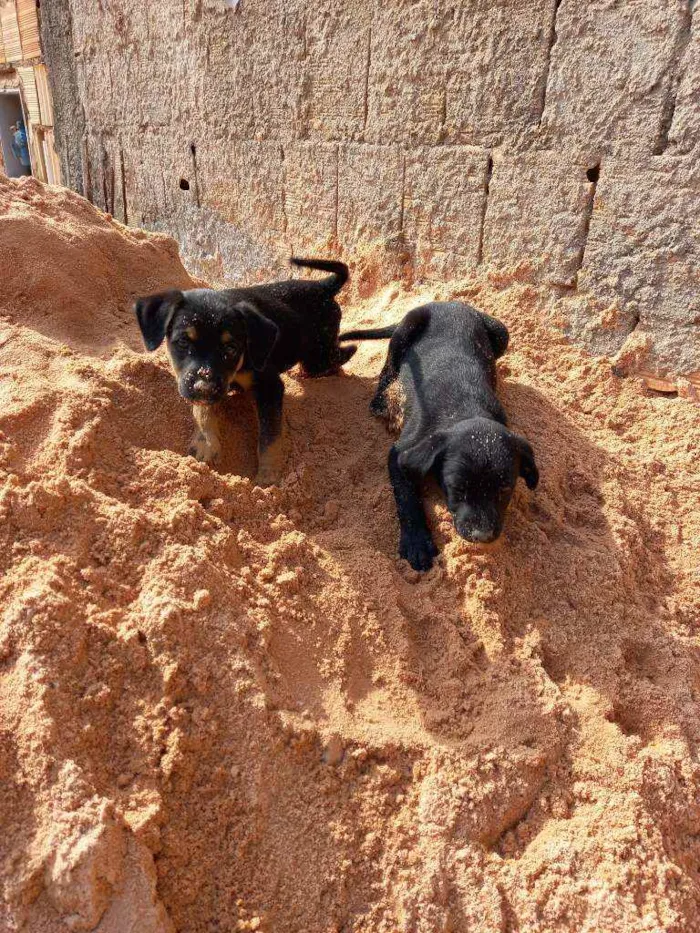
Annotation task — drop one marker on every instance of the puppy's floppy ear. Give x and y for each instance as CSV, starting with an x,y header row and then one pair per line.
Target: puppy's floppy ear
x,y
421,457
262,334
528,467
498,334
154,313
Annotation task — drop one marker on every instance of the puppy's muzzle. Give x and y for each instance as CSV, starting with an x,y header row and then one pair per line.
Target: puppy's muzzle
x,y
474,527
476,535
202,387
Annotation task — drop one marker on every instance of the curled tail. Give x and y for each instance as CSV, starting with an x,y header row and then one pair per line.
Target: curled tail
x,y
339,270
376,333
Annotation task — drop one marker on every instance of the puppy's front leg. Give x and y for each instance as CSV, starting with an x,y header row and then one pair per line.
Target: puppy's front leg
x,y
206,443
268,391
416,544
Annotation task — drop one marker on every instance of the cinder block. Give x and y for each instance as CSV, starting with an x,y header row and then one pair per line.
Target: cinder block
x,y
152,174
468,73
685,129
538,209
370,189
244,182
310,193
611,74
643,252
334,83
406,86
496,54
249,67
445,192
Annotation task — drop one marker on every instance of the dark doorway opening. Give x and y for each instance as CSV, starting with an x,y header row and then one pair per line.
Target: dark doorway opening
x,y
10,115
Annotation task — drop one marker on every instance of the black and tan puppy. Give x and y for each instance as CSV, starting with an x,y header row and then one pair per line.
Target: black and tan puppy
x,y
243,338
438,387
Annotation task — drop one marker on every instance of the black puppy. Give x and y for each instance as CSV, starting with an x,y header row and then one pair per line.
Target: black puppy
x,y
437,385
243,338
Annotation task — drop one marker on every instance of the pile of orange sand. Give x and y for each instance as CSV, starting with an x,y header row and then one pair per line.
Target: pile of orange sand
x,y
224,708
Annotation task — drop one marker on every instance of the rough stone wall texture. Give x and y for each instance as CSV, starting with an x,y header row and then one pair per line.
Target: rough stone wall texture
x,y
555,136
57,44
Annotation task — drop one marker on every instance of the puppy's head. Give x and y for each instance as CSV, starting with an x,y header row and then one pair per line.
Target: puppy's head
x,y
209,339
477,463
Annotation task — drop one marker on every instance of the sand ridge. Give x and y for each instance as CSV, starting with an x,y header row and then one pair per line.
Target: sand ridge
x,y
231,708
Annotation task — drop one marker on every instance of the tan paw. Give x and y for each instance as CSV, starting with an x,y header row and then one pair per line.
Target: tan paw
x,y
270,464
206,450
266,476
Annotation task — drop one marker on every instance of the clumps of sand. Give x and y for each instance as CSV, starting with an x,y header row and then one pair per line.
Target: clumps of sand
x,y
227,708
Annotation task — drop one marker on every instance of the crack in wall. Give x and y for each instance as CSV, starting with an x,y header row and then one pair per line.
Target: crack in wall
x,y
103,173
87,173
443,113
108,180
593,176
111,78
337,192
285,219
402,207
487,188
367,70
669,108
123,173
193,153
164,196
112,188
551,42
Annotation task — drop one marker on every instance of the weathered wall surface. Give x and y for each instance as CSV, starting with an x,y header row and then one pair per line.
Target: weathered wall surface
x,y
57,43
552,134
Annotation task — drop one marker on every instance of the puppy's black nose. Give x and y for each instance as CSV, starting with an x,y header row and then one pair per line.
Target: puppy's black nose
x,y
201,386
204,387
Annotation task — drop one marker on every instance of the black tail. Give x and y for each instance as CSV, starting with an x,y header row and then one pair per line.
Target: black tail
x,y
339,269
377,333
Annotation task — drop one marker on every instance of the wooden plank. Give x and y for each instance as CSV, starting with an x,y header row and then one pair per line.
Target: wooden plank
x,y
41,76
47,162
37,148
31,98
10,31
53,166
28,28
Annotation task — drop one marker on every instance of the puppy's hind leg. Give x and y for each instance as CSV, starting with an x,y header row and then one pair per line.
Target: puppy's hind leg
x,y
379,406
408,330
206,441
325,356
269,391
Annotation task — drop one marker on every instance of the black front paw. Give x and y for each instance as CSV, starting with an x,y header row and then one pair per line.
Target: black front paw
x,y
418,548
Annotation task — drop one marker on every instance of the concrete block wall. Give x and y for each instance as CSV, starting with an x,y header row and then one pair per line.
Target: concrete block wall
x,y
558,136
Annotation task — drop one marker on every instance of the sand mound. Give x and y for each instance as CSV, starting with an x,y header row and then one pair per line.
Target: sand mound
x,y
226,708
